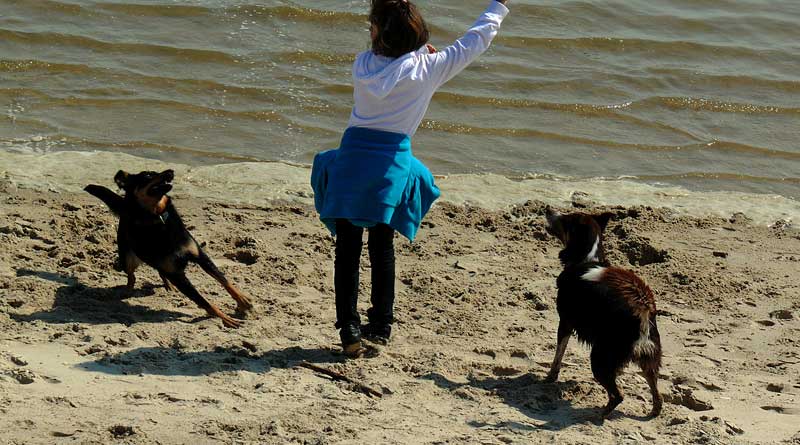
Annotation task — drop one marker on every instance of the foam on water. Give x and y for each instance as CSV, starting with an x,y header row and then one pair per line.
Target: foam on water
x,y
259,183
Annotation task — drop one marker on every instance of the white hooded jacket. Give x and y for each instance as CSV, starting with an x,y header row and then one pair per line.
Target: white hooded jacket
x,y
393,94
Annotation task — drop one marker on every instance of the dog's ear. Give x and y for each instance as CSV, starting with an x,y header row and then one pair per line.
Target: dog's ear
x,y
603,219
121,178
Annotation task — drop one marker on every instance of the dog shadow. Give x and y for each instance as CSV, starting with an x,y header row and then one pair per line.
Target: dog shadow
x,y
530,395
165,361
76,302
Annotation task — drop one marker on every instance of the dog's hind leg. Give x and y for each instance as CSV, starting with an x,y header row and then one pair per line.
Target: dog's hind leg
x,y
243,303
651,375
606,367
650,365
185,286
564,333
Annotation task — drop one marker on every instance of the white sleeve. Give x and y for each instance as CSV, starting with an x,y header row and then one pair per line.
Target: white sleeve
x,y
445,64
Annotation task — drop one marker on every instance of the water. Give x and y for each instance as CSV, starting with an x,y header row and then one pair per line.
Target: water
x,y
699,94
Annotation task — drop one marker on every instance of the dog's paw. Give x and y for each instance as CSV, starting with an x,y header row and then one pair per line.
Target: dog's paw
x,y
243,309
655,412
244,306
597,419
229,322
551,378
608,410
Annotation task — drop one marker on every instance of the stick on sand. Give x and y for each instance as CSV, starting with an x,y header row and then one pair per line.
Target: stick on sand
x,y
342,378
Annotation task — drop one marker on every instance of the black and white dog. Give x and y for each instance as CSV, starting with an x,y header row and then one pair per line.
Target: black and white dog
x,y
609,308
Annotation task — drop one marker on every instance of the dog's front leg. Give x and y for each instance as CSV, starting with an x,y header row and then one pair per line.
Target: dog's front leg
x,y
564,333
130,263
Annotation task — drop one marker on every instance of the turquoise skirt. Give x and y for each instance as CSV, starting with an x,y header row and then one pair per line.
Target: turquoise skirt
x,y
373,178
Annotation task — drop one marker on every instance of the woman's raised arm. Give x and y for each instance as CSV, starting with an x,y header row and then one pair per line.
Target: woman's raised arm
x,y
446,63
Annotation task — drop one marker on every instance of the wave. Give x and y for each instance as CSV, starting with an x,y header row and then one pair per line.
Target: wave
x,y
134,9
357,20
135,147
296,13
325,58
53,5
139,78
666,48
716,106
716,177
611,110
154,10
271,116
707,17
186,55
729,81
724,146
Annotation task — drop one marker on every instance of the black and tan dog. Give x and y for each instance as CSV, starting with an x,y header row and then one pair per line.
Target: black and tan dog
x,y
151,231
609,308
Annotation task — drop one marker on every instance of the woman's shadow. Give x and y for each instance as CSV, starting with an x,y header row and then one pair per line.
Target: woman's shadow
x,y
176,362
75,302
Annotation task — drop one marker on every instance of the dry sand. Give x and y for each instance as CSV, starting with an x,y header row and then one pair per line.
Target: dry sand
x,y
84,361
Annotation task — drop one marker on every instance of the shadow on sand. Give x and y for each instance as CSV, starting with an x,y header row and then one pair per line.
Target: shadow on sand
x,y
545,402
75,302
174,362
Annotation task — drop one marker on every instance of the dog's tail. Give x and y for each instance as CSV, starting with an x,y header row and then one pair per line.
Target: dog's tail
x,y
112,200
641,302
648,345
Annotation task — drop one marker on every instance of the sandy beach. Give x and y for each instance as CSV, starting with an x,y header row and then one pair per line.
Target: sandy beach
x,y
82,360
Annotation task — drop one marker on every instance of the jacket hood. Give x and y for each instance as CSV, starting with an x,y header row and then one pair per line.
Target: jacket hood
x,y
380,75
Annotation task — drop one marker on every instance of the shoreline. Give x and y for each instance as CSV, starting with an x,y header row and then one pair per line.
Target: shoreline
x,y
256,183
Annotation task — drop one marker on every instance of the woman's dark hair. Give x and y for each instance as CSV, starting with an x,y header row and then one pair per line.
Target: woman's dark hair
x,y
400,28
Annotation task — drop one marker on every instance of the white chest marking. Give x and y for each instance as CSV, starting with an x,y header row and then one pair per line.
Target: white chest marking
x,y
595,274
592,257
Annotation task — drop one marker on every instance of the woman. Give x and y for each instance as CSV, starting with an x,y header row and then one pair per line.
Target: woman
x,y
372,180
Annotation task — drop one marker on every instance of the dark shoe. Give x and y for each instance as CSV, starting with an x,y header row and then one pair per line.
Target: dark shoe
x,y
351,340
378,333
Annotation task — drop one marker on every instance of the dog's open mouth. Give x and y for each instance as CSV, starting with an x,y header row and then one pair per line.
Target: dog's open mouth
x,y
161,185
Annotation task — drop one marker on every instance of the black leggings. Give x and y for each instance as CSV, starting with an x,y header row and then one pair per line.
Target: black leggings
x,y
346,265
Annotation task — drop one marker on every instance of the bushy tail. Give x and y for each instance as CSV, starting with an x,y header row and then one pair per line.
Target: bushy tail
x,y
649,343
112,200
